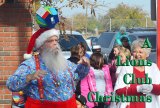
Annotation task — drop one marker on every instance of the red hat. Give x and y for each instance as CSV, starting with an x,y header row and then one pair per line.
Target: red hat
x,y
38,39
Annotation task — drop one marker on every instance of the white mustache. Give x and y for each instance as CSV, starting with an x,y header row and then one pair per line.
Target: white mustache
x,y
57,48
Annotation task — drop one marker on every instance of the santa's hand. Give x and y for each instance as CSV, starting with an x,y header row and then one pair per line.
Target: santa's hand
x,y
84,60
36,75
147,88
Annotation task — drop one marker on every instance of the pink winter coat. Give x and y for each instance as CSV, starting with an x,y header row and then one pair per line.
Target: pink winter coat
x,y
89,84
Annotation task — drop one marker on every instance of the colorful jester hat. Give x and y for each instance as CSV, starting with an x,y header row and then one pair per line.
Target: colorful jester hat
x,y
47,17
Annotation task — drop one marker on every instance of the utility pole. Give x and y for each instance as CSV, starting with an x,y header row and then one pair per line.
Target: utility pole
x,y
72,23
146,23
86,15
110,24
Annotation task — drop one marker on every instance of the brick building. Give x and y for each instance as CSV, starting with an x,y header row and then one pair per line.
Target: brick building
x,y
15,31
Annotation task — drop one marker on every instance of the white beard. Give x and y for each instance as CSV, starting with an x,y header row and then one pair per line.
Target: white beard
x,y
54,59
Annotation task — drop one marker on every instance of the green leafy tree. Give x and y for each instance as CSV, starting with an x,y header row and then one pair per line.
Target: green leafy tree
x,y
126,16
92,24
79,22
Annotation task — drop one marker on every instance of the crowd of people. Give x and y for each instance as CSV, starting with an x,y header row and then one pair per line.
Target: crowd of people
x,y
48,80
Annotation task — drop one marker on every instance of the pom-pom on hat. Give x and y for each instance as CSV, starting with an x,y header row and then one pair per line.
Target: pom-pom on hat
x,y
38,39
122,28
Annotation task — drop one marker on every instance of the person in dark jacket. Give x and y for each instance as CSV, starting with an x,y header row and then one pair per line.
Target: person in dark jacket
x,y
75,57
125,43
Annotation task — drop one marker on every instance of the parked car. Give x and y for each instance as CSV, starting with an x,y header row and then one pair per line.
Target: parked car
x,y
71,39
107,41
152,36
141,29
91,41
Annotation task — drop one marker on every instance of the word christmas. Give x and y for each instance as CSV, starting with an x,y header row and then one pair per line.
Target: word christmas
x,y
117,98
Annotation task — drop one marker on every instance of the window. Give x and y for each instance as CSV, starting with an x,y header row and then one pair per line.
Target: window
x,y
132,38
105,39
66,42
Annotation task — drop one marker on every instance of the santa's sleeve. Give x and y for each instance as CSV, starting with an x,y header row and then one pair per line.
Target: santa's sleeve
x,y
156,89
79,71
17,81
132,90
82,70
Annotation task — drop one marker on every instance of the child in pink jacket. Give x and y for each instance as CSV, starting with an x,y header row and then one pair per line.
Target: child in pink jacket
x,y
97,80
